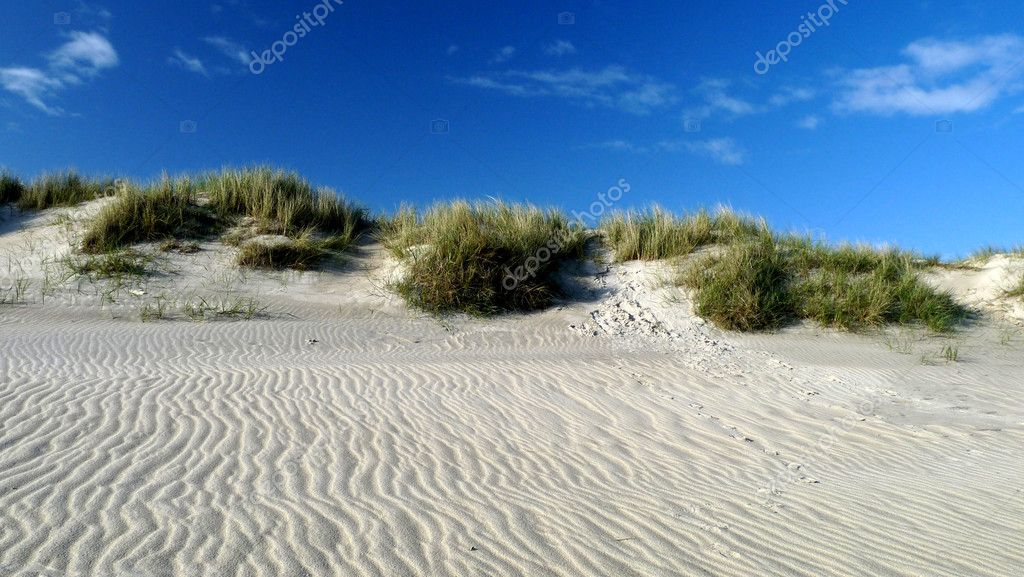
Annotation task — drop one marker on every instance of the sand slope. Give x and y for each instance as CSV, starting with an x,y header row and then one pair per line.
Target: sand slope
x,y
340,434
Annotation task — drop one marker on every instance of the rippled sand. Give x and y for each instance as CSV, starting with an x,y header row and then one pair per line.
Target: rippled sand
x,y
339,434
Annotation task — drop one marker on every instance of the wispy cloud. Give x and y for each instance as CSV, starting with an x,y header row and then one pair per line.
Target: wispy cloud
x,y
190,63
720,99
81,58
90,13
503,55
716,99
239,8
810,122
84,55
939,77
230,48
613,145
630,147
610,87
31,84
560,48
721,150
791,94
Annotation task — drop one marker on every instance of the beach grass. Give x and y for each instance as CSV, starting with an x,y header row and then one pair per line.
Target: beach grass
x,y
239,204
773,280
112,265
66,188
166,209
281,201
302,253
11,188
1017,290
657,234
481,258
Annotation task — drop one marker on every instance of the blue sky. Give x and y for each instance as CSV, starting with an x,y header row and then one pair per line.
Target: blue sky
x,y
550,102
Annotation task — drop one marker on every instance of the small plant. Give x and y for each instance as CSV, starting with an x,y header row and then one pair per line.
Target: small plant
x,y
950,353
1018,289
155,310
200,309
1007,334
15,293
900,343
180,247
245,308
195,310
11,188
117,265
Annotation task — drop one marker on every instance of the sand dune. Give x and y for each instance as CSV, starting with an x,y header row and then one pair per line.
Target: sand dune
x,y
338,433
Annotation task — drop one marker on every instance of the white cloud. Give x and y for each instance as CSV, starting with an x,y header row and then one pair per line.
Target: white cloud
x,y
627,146
81,58
85,55
560,48
611,87
31,84
941,77
503,55
89,12
614,145
717,99
722,150
789,95
230,48
187,62
810,122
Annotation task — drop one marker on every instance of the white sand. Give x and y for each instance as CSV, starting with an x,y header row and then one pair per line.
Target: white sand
x,y
617,435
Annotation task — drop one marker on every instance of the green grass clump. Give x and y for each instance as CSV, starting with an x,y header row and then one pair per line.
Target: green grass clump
x,y
746,288
163,210
481,258
657,234
1017,290
11,188
299,254
771,281
281,201
114,265
252,201
63,189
